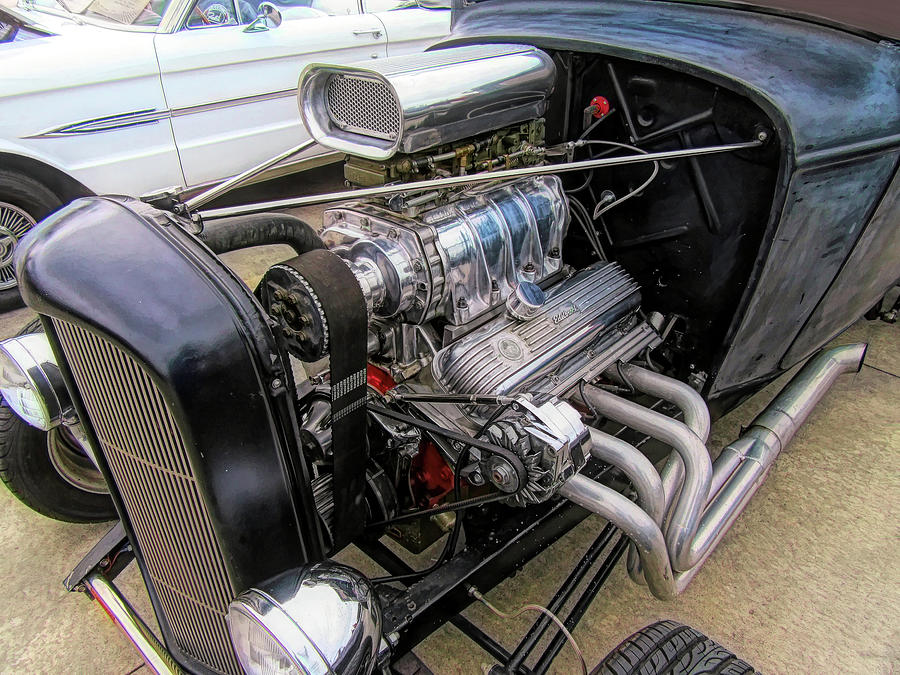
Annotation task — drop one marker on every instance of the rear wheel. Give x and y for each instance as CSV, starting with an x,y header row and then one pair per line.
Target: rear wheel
x,y
48,471
23,202
672,648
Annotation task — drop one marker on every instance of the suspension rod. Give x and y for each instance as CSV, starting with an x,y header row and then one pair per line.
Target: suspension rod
x,y
217,191
452,181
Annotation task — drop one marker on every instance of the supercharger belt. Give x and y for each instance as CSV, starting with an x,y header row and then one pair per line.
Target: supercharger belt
x,y
321,312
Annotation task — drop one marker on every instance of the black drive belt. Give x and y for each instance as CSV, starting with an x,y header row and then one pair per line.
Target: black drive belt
x,y
337,291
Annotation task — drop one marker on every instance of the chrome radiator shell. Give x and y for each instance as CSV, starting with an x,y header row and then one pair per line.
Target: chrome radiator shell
x,y
413,102
588,321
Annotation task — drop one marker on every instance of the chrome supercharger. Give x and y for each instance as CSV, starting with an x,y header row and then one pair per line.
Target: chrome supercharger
x,y
457,260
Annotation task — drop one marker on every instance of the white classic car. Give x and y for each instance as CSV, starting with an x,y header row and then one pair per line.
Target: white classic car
x,y
130,96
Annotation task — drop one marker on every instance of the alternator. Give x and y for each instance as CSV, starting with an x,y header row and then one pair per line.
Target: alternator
x,y
551,441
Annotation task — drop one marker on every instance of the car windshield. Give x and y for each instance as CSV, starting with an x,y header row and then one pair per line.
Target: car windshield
x,y
124,12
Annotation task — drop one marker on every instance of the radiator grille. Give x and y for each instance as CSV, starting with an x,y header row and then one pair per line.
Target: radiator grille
x,y
363,105
146,456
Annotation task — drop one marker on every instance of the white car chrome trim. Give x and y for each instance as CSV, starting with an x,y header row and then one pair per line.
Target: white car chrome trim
x,y
175,16
108,123
139,117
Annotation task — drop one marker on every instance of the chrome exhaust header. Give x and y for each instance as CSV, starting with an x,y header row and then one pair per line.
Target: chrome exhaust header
x,y
671,553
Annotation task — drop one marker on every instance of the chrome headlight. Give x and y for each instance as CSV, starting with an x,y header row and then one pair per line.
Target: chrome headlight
x,y
30,381
322,619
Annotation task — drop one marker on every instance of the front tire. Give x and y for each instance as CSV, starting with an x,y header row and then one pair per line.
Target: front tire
x,y
48,471
23,202
672,648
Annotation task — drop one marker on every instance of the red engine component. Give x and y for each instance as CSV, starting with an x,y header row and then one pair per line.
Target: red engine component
x,y
598,107
380,380
430,477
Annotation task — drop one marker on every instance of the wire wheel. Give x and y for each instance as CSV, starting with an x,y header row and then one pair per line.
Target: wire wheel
x,y
14,224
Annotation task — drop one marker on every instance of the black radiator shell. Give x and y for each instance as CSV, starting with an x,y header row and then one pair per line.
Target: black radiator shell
x,y
131,275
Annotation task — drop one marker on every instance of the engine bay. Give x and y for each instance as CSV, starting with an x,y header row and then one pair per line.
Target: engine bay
x,y
489,305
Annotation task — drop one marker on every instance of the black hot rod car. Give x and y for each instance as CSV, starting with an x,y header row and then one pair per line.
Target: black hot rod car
x,y
573,234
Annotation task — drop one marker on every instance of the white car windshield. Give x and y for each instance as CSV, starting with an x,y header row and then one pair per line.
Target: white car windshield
x,y
125,12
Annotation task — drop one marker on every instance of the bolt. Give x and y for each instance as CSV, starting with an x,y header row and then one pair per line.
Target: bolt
x,y
280,294
417,265
104,563
501,475
494,286
394,638
554,252
364,223
293,298
276,383
411,605
762,136
462,303
276,308
528,267
393,233
338,215
287,331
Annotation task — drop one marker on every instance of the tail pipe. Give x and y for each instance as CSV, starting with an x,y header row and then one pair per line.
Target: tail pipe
x,y
671,555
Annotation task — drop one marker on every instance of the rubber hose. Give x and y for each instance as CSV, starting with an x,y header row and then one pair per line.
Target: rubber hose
x,y
259,229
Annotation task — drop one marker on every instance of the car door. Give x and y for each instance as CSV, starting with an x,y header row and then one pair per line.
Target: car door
x,y
232,93
88,101
409,29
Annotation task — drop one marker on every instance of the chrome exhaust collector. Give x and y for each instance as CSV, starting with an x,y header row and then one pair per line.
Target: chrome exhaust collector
x,y
672,550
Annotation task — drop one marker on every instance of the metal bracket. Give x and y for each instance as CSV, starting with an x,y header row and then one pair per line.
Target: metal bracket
x,y
105,555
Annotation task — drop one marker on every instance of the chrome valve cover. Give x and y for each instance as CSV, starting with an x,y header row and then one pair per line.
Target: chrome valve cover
x,y
586,321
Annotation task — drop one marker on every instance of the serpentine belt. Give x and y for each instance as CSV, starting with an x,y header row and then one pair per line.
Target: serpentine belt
x,y
339,298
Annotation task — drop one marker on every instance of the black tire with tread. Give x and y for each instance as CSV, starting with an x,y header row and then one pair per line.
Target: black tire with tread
x,y
26,469
672,648
37,200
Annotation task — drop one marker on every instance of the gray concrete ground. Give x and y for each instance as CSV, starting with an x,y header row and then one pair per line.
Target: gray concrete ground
x,y
806,582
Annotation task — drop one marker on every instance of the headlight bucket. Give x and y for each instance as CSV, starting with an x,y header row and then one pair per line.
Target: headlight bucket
x,y
30,381
320,619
